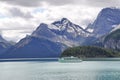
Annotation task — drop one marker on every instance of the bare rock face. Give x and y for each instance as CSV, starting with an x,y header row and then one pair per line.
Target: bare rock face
x,y
48,40
63,31
107,19
112,40
112,44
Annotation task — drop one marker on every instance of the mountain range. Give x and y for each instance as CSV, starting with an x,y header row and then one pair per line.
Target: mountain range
x,y
4,45
50,40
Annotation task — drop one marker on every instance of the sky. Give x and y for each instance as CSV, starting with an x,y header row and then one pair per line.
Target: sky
x,y
19,18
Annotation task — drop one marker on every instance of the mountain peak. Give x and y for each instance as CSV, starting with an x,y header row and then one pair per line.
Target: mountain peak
x,y
110,11
62,21
106,20
111,8
42,26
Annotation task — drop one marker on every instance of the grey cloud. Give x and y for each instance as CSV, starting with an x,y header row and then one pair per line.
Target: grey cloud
x,y
16,26
29,3
103,3
97,3
86,21
26,31
34,3
16,12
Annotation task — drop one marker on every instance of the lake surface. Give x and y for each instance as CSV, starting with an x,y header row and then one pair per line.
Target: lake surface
x,y
53,70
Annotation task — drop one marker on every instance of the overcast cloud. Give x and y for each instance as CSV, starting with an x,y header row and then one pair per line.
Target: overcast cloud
x,y
34,3
20,17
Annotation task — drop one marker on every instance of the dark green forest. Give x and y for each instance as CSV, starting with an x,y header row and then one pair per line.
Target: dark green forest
x,y
89,52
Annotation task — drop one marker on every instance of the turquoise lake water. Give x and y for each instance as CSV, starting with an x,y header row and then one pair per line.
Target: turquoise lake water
x,y
36,70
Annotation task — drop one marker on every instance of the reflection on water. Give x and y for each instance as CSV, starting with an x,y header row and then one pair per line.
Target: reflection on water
x,y
86,70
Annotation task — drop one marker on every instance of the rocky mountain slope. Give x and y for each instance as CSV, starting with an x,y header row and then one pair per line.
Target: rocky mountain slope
x,y
112,40
107,19
32,47
63,31
50,40
4,45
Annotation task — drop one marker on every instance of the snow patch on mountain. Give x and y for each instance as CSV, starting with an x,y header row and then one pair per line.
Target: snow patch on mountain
x,y
115,27
63,31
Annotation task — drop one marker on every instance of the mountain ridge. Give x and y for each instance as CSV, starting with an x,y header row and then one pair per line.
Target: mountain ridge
x,y
105,21
52,39
4,45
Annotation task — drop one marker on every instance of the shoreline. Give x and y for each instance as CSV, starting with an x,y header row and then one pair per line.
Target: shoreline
x,y
101,59
55,59
28,59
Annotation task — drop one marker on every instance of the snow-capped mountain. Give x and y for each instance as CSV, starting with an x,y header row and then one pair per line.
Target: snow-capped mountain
x,y
71,30
63,31
107,19
48,40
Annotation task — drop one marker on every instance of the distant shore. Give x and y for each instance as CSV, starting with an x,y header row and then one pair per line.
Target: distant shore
x,y
28,59
101,59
